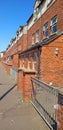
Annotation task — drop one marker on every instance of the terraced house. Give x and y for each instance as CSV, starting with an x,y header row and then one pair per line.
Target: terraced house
x,y
37,49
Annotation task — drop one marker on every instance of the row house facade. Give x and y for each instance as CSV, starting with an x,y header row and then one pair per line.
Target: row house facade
x,y
38,45
37,49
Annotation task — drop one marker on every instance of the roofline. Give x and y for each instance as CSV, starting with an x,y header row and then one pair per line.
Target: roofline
x,y
30,18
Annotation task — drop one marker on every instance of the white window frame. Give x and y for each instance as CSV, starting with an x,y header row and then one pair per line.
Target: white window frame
x,y
33,38
34,65
54,24
29,64
45,29
23,63
37,35
35,61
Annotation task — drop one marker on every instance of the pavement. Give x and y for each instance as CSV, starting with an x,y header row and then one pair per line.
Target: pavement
x,y
14,112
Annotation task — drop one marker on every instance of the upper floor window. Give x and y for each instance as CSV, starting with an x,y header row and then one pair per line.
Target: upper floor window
x,y
37,2
33,38
46,29
37,36
54,24
50,2
35,15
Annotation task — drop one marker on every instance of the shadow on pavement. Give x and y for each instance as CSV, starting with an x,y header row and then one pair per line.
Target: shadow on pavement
x,y
7,92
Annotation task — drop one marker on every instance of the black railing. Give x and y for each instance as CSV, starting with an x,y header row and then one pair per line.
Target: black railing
x,y
44,97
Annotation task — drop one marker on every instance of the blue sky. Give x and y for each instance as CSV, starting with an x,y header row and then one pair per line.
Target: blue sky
x,y
13,13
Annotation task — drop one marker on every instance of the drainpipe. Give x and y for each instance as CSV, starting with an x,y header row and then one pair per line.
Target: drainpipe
x,y
39,51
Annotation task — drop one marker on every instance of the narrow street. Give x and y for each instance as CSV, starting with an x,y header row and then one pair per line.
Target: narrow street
x,y
14,113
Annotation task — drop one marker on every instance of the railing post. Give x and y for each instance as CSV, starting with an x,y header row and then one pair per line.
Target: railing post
x,y
54,126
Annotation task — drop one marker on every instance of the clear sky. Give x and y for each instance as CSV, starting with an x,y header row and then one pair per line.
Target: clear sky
x,y
13,13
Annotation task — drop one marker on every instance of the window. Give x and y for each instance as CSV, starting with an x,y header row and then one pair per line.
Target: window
x,y
35,13
54,24
29,64
46,29
49,2
35,16
34,65
23,63
35,62
37,36
33,38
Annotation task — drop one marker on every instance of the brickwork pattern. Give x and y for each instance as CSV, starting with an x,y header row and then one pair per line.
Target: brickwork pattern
x,y
52,64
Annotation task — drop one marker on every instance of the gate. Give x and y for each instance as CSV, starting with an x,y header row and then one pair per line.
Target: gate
x,y
14,73
44,98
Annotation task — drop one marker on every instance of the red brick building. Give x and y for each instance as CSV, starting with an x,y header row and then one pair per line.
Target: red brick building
x,y
37,49
38,45
44,50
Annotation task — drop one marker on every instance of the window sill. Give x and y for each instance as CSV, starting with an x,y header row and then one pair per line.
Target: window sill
x,y
53,33
35,43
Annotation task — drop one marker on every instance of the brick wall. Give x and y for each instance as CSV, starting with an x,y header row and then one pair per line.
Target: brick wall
x,y
24,43
20,80
51,64
27,85
24,83
15,60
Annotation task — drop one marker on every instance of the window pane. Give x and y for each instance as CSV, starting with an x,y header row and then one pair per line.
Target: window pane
x,y
46,33
35,56
54,24
54,20
37,36
35,66
46,26
54,28
46,29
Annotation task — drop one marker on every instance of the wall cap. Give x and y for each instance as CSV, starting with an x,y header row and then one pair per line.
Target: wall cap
x,y
27,70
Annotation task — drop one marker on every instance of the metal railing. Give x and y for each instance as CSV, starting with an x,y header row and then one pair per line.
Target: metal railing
x,y
44,97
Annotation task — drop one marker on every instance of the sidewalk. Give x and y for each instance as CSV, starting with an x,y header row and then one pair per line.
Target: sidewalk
x,y
14,113
6,82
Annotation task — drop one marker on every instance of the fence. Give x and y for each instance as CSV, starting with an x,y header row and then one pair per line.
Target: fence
x,y
44,98
14,73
